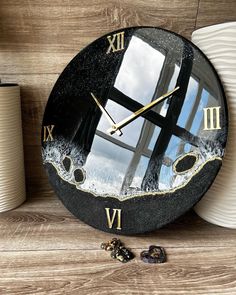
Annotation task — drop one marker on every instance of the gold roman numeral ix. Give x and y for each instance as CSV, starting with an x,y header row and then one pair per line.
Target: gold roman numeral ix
x,y
116,215
116,42
211,118
47,133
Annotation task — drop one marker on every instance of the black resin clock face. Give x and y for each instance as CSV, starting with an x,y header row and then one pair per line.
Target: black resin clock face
x,y
134,130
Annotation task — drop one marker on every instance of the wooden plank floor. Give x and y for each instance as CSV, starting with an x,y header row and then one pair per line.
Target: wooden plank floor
x,y
43,248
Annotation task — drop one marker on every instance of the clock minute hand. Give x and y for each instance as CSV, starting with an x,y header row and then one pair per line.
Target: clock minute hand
x,y
107,115
139,112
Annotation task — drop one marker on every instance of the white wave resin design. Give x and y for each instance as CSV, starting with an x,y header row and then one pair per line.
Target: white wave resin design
x,y
96,167
218,42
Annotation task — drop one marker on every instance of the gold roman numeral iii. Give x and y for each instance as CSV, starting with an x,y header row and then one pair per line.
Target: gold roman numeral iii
x,y
116,215
211,118
116,42
47,133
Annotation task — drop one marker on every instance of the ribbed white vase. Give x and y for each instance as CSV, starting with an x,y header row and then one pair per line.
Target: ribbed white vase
x,y
12,175
218,42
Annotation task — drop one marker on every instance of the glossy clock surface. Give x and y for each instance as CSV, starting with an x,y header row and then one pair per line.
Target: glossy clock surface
x,y
164,153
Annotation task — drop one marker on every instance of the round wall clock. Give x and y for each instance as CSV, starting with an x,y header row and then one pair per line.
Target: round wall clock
x,y
134,130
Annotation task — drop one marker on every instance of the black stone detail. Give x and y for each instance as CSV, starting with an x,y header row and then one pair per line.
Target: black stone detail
x,y
122,254
185,163
155,254
67,163
118,251
79,175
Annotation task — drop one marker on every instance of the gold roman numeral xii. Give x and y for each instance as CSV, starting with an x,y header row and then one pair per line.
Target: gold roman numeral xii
x,y
211,118
47,133
116,42
116,215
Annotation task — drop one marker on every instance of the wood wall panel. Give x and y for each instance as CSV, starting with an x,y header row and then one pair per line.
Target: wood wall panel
x,y
54,31
215,12
43,248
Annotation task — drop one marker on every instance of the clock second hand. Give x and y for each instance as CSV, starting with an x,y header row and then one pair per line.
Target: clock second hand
x,y
139,112
107,115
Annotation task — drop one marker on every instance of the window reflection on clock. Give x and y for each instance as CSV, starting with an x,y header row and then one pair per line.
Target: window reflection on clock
x,y
123,162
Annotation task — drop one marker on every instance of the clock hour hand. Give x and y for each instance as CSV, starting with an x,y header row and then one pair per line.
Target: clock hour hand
x,y
139,112
107,115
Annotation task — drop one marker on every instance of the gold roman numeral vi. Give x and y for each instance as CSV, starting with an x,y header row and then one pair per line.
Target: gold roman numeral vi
x,y
116,215
116,42
211,118
47,133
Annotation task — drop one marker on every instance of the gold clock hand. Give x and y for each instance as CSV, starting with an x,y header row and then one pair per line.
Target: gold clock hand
x,y
107,115
139,112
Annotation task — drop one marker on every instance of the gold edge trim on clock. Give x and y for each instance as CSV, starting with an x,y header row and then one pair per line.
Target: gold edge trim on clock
x,y
146,193
181,158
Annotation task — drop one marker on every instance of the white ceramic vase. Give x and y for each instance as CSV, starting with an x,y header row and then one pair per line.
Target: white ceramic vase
x,y
218,42
12,175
